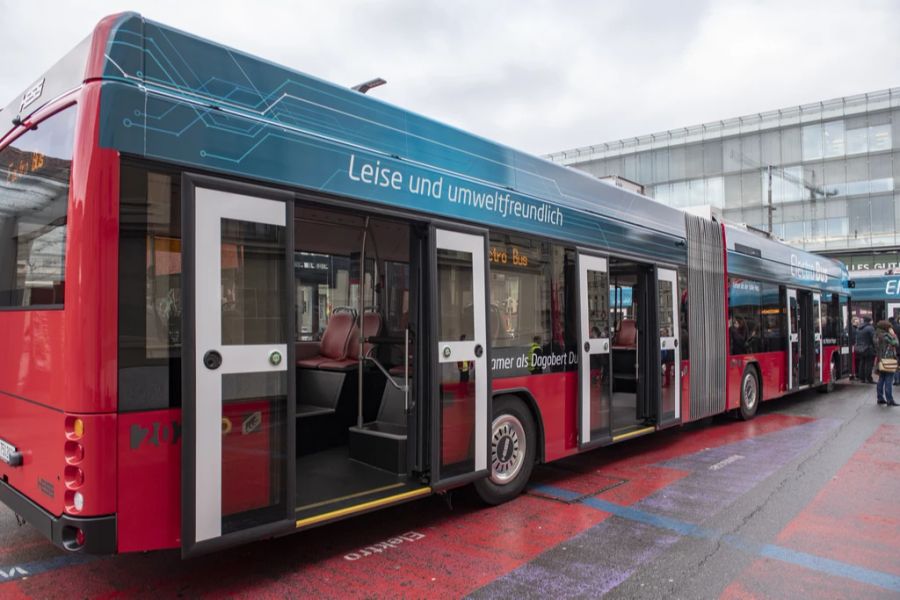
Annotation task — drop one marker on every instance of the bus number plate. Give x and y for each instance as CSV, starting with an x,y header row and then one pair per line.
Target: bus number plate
x,y
6,451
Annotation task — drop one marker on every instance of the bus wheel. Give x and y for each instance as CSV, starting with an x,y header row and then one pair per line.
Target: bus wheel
x,y
749,393
513,442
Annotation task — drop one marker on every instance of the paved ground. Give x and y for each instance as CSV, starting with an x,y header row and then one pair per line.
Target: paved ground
x,y
802,502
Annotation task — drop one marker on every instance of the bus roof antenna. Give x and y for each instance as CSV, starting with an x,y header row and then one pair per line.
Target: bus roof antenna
x,y
364,87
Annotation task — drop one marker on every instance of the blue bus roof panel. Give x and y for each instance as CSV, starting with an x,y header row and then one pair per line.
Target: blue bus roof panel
x,y
883,287
754,256
174,97
187,100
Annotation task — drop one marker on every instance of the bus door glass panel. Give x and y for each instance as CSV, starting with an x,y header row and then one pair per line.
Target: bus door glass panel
x,y
464,406
670,353
817,336
241,404
793,340
844,339
593,364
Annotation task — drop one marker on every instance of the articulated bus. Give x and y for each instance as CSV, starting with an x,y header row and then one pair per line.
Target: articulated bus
x,y
238,301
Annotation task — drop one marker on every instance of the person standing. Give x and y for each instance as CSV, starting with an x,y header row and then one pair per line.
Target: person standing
x,y
865,351
895,325
738,333
886,354
854,325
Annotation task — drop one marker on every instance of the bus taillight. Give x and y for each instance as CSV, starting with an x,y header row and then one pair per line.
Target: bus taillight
x,y
74,477
72,538
74,453
74,428
74,502
73,474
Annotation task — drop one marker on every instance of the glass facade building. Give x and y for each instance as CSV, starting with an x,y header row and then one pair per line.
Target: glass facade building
x,y
832,168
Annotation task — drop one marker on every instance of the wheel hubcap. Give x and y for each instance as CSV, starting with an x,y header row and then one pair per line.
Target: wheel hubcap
x,y
749,388
507,449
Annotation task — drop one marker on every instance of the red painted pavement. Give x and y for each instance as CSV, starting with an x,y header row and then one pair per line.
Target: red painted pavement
x,y
765,579
635,461
854,519
460,551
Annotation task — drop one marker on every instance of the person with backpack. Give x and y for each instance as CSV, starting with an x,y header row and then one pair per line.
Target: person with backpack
x,y
886,356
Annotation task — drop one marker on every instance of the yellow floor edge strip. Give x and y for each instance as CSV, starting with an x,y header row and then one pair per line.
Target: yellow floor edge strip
x,y
347,497
631,434
362,507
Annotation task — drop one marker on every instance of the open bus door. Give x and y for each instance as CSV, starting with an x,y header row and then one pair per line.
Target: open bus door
x,y
844,336
804,339
669,351
817,337
792,381
461,404
594,376
238,460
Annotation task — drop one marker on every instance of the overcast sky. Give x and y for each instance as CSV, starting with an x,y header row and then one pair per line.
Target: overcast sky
x,y
538,75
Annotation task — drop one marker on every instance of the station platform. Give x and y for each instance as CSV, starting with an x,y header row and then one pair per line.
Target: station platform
x,y
802,502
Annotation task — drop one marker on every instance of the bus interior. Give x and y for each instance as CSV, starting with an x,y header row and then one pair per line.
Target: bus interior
x,y
629,284
354,358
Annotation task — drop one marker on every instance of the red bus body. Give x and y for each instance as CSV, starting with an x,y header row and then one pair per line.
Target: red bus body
x,y
61,365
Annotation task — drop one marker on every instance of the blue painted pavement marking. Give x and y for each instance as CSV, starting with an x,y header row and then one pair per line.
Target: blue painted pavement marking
x,y
610,552
20,571
803,559
833,567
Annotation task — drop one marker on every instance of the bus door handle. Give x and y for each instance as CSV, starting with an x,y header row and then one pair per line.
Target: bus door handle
x,y
212,360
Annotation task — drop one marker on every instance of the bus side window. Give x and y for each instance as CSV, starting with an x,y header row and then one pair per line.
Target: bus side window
x,y
774,339
34,201
744,316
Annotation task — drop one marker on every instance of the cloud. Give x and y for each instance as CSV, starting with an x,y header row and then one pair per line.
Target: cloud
x,y
538,75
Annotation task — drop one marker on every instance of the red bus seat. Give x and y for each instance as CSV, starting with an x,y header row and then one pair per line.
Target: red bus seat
x,y
371,326
626,336
335,341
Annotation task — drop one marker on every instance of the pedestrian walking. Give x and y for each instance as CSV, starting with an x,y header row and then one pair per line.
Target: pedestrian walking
x,y
865,350
886,353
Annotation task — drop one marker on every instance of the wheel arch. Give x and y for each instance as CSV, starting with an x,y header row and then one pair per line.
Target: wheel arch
x,y
524,394
743,412
754,365
759,380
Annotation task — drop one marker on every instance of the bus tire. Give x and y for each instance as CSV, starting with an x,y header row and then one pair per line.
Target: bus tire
x,y
513,449
750,393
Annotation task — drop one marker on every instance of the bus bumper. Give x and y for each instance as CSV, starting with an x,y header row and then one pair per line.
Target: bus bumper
x,y
98,533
